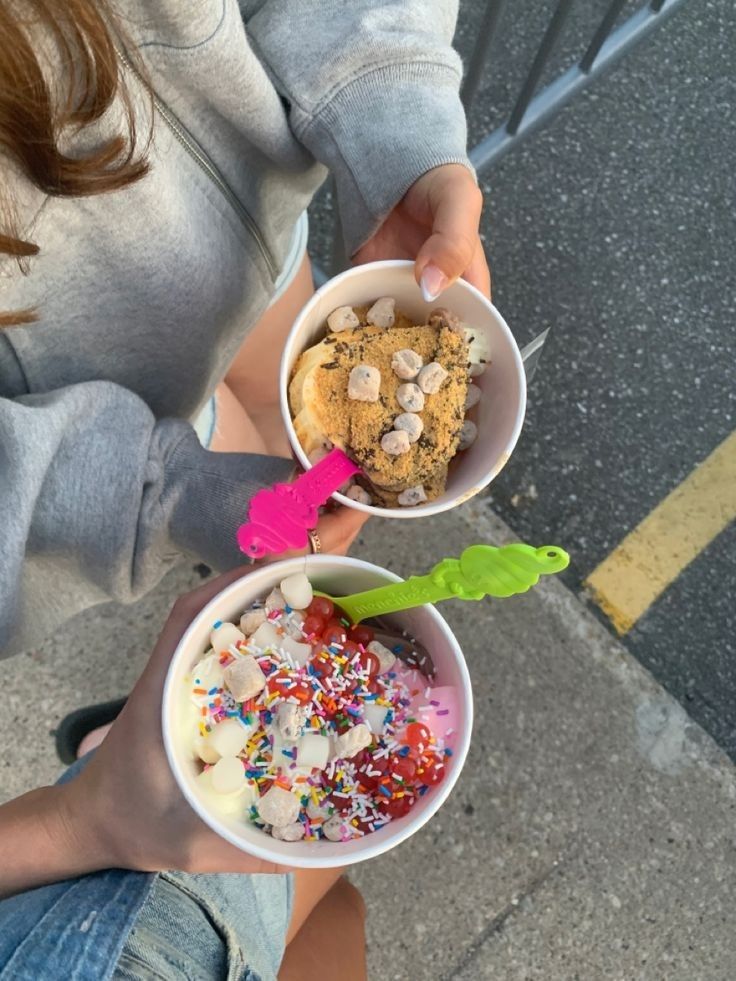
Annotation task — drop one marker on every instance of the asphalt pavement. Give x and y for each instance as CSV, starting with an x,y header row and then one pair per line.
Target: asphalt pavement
x,y
614,226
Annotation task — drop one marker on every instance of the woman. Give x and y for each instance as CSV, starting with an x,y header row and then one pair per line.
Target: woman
x,y
157,159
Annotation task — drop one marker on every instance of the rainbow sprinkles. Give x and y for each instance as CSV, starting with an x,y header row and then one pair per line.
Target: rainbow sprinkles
x,y
310,727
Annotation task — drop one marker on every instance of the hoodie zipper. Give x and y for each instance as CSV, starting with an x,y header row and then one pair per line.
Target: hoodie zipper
x,y
204,162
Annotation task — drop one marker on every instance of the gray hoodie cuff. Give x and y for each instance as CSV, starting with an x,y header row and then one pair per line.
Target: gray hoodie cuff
x,y
418,122
208,493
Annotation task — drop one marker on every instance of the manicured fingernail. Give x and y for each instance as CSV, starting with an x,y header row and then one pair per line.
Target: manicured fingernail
x,y
432,282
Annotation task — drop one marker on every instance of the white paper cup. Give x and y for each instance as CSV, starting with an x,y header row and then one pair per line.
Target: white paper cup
x,y
500,413
334,575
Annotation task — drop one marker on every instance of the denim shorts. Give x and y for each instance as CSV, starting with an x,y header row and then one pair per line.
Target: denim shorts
x,y
205,422
170,926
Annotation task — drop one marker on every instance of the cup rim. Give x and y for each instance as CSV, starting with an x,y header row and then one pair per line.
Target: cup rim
x,y
430,507
440,793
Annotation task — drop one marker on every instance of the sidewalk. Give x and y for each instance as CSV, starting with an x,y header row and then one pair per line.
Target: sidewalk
x,y
590,837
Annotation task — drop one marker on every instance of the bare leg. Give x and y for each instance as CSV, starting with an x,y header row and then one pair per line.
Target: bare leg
x,y
253,376
235,431
330,946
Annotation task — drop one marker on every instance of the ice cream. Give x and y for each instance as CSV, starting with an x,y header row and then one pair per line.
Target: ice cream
x,y
391,393
311,728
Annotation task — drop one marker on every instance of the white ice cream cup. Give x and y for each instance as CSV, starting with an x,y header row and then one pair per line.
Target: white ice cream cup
x,y
334,575
498,416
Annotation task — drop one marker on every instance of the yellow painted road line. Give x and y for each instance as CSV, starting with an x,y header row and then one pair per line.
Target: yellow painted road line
x,y
651,557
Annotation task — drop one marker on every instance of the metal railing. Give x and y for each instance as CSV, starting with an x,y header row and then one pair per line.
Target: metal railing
x,y
532,108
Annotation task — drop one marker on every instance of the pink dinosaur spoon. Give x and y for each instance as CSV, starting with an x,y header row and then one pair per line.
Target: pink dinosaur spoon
x,y
279,516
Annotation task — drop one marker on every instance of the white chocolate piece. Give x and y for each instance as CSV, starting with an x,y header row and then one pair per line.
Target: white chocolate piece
x,y
290,720
229,737
359,494
251,621
275,600
364,383
227,775
267,636
278,807
386,658
395,443
351,742
467,434
473,397
333,829
313,750
344,318
291,832
297,591
410,397
299,652
431,377
205,751
406,364
476,368
375,717
225,634
411,424
244,678
412,496
381,314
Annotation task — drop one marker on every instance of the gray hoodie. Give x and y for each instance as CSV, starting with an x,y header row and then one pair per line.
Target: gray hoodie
x,y
145,295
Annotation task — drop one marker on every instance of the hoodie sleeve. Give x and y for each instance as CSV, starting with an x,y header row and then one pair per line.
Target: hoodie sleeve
x,y
98,500
373,90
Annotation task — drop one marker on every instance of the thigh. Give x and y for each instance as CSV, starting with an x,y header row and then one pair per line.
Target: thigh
x,y
253,374
234,430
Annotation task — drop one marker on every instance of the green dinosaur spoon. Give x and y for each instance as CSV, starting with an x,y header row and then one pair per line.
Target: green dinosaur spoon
x,y
482,570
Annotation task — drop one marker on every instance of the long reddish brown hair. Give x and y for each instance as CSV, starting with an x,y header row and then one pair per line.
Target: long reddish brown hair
x,y
37,110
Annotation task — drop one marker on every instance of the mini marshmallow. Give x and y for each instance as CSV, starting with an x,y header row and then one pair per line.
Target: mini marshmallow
x,y
344,318
251,621
406,364
411,496
476,368
227,775
411,424
275,600
467,434
410,397
313,750
223,635
351,742
291,719
395,443
265,637
291,624
473,397
381,314
333,829
359,494
364,383
431,377
278,807
290,832
442,317
386,658
297,591
228,738
244,678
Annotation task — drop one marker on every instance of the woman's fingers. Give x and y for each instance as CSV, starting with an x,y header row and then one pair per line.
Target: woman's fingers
x,y
478,273
455,202
338,529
